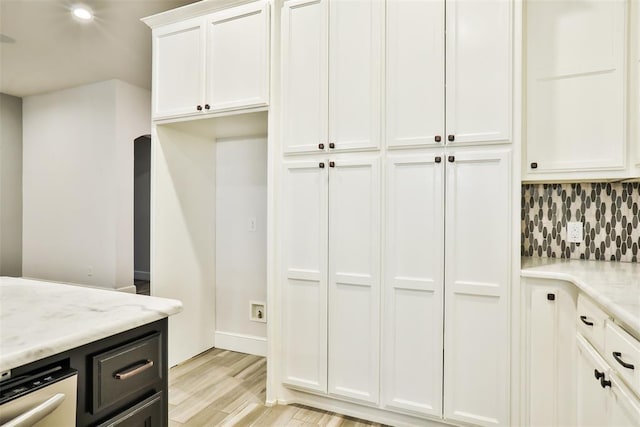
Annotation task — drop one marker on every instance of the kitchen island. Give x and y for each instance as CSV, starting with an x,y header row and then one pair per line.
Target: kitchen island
x,y
117,343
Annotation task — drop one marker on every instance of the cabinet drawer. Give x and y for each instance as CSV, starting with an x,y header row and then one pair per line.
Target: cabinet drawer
x,y
591,322
147,413
623,354
121,373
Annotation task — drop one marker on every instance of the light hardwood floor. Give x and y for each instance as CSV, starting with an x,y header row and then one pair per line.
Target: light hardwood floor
x,y
224,388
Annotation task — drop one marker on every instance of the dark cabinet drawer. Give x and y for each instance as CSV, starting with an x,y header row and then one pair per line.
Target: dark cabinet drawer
x,y
147,413
122,373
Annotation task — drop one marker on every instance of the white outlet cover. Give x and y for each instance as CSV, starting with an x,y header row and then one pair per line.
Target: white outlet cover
x,y
574,232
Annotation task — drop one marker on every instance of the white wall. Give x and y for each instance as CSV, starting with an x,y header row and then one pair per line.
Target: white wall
x,y
241,255
10,185
78,182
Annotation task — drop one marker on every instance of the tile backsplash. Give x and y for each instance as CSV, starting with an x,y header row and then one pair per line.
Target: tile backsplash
x,y
609,214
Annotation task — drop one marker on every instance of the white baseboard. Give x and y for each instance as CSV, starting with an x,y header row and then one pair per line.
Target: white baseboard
x,y
141,275
249,344
130,289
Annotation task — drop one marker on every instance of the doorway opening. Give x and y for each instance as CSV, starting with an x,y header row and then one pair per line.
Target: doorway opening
x,y
142,214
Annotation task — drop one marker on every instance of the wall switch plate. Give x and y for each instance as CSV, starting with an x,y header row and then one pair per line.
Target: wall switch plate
x,y
252,223
257,311
574,232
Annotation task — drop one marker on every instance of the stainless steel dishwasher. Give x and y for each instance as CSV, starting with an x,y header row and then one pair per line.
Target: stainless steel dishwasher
x,y
42,398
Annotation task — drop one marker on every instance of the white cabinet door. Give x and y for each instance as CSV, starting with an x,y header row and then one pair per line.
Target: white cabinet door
x,y
550,353
304,75
624,406
355,64
478,254
479,70
576,86
238,57
592,398
413,287
304,281
354,278
178,68
415,72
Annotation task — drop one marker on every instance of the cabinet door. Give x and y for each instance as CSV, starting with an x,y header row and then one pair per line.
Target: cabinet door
x,y
304,75
479,70
624,406
304,295
354,284
576,86
178,68
415,72
355,63
592,397
413,287
238,57
478,260
550,353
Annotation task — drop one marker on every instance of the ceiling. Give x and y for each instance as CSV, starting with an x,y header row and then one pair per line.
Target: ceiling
x,y
43,48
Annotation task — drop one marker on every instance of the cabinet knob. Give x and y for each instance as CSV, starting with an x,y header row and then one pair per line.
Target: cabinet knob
x,y
321,165
438,138
321,146
438,159
534,165
207,106
618,356
551,297
604,383
451,138
199,108
332,164
451,159
332,145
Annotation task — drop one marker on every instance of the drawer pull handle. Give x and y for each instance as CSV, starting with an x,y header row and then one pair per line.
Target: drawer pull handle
x,y
617,355
598,374
604,383
584,320
133,371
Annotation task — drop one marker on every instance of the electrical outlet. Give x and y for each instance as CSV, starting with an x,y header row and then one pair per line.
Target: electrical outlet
x,y
574,232
252,223
257,311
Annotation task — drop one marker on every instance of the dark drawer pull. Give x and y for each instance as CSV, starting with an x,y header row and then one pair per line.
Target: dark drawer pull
x,y
133,371
604,383
598,374
617,355
584,320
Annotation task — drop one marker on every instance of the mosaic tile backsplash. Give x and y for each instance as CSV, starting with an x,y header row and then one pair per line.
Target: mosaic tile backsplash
x,y
609,214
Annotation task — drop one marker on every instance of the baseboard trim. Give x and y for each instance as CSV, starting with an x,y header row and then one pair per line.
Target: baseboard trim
x,y
141,275
129,289
249,344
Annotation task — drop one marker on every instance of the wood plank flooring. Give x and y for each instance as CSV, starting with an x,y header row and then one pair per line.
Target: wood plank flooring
x,y
224,388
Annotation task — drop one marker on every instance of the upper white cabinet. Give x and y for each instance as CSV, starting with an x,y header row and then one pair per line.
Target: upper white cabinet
x,y
331,283
476,104
576,89
212,63
331,66
178,68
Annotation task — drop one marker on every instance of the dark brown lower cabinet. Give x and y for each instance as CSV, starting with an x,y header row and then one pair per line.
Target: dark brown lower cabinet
x,y
147,413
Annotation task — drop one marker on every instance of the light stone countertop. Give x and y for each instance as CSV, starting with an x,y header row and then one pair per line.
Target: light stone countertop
x,y
39,319
613,285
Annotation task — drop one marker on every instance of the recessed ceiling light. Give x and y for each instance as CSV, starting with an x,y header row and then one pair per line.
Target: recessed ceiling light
x,y
82,13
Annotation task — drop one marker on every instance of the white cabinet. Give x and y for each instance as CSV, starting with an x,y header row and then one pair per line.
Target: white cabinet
x,y
478,69
413,286
212,63
332,207
477,278
178,68
549,352
576,89
331,65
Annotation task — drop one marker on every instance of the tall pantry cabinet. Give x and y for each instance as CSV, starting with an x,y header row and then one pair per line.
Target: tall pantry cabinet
x,y
395,206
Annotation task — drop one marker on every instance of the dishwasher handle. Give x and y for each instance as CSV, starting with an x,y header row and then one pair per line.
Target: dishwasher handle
x,y
38,413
